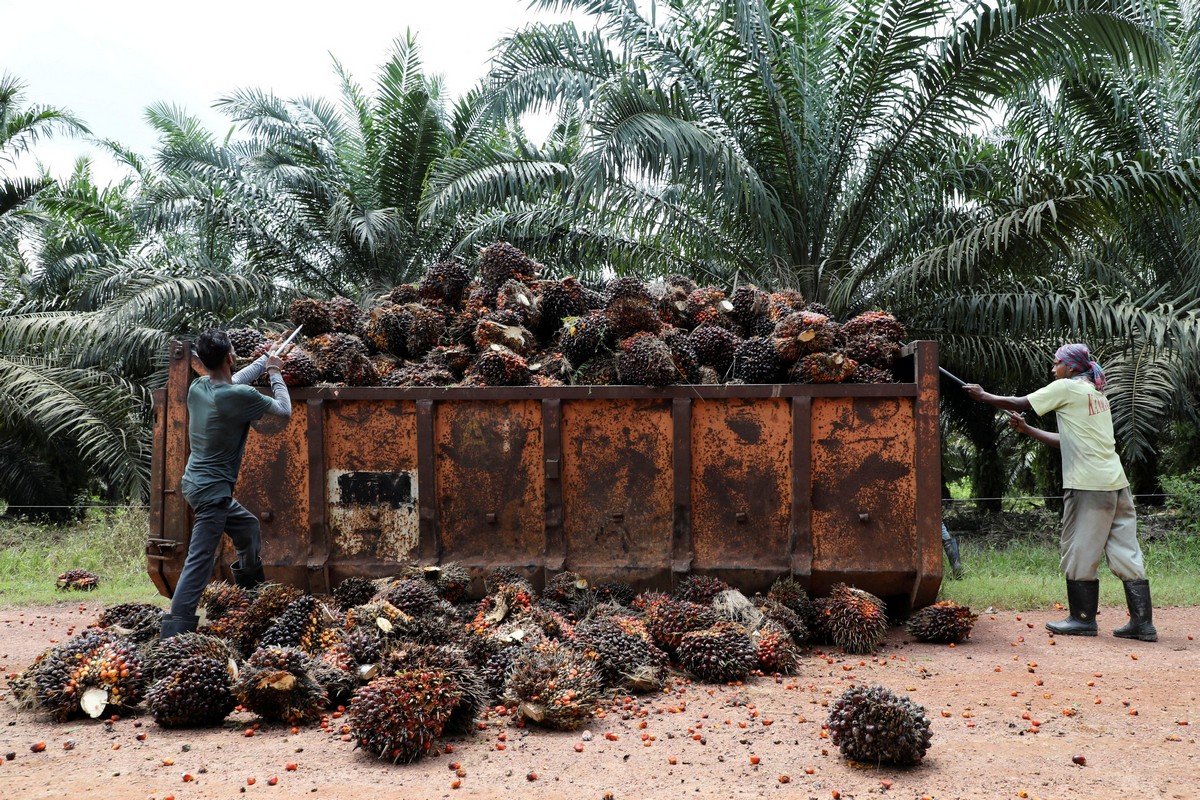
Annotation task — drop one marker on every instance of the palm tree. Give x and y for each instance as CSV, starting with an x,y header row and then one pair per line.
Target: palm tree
x,y
842,149
21,127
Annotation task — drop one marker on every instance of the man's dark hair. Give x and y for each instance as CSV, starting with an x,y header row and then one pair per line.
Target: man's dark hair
x,y
213,346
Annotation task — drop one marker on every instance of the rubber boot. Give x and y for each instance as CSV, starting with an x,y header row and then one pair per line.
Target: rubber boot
x,y
173,624
248,578
1083,598
1141,613
950,546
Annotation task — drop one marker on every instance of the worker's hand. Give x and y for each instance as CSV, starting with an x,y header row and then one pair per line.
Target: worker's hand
x,y
274,363
973,390
1017,421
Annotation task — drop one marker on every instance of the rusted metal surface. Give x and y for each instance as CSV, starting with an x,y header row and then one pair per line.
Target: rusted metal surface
x,y
617,488
824,482
741,488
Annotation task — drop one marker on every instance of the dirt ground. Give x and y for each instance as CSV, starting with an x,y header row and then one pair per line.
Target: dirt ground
x,y
1009,709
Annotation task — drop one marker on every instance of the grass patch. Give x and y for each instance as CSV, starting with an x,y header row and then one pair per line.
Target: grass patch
x,y
110,543
1023,573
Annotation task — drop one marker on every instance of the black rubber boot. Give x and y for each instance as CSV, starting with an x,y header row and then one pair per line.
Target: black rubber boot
x,y
1141,613
173,624
1083,598
950,547
248,578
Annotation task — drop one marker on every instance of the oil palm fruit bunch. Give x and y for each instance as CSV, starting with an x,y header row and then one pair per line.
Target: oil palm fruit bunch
x,y
598,371
750,309
299,626
718,654
269,601
943,622
79,580
245,341
856,620
167,656
88,674
521,301
614,592
784,302
801,333
823,368
342,358
553,685
453,581
571,593
379,616
500,366
505,330
197,692
626,654
584,336
139,622
400,717
344,315
278,685
668,621
560,300
701,589
875,323
644,359
221,598
714,347
708,305
774,648
451,661
867,374
785,617
312,314
501,261
413,596
444,283
788,592
756,361
629,307
871,725
671,303
353,591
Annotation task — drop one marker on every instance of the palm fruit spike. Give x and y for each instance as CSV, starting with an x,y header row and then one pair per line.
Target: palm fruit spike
x,y
628,658
221,598
312,314
774,649
755,361
79,580
299,626
399,717
669,620
299,368
672,306
554,686
386,329
344,315
701,588
823,368
500,366
277,684
942,623
856,620
197,692
445,283
715,347
500,576
339,356
138,621
353,591
718,654
168,655
424,331
401,294
645,360
788,591
871,725
680,281
683,355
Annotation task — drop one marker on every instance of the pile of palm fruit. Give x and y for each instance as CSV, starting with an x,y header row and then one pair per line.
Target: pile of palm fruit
x,y
413,659
503,325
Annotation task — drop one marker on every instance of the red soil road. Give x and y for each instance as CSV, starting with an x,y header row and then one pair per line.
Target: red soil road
x,y
1128,708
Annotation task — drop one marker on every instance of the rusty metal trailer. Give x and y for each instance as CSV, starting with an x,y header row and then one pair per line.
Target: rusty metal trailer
x,y
826,483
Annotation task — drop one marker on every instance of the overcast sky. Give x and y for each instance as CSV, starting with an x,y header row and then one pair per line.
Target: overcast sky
x,y
107,61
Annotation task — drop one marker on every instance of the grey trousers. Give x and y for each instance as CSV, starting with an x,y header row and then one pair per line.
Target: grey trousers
x,y
213,518
1096,525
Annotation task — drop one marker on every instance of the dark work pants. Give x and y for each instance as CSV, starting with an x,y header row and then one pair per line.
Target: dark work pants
x,y
213,518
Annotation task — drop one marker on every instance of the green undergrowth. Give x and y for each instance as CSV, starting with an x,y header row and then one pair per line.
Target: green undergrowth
x,y
108,543
1023,573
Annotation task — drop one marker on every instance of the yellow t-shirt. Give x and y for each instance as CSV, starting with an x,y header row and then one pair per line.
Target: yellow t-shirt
x,y
1085,430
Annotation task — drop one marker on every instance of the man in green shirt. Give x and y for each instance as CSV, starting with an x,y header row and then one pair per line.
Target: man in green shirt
x,y
1099,519
221,406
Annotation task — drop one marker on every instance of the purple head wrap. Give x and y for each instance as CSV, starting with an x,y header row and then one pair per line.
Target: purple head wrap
x,y
1079,361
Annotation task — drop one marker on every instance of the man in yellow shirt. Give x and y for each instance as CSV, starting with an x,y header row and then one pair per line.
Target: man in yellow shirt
x,y
1099,519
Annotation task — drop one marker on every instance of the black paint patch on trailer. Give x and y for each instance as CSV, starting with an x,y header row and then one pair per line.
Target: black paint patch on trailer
x,y
391,489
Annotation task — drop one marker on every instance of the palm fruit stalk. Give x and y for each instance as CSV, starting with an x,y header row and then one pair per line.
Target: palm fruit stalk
x,y
873,726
